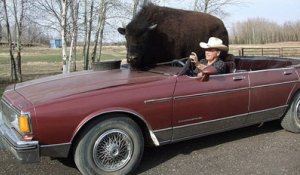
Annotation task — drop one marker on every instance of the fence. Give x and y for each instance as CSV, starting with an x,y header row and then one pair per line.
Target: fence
x,y
275,52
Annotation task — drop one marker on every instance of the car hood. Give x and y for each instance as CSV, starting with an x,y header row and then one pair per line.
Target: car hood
x,y
59,86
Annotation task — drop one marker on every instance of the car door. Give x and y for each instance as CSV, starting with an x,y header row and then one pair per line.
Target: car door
x,y
202,108
269,93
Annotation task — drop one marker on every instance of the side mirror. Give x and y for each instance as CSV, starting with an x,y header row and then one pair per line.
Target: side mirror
x,y
206,72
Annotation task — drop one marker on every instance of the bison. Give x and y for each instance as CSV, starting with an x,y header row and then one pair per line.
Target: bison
x,y
160,34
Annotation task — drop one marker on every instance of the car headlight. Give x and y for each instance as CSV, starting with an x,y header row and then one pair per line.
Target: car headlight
x,y
20,121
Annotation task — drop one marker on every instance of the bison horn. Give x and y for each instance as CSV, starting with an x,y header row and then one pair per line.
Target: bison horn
x,y
124,25
153,27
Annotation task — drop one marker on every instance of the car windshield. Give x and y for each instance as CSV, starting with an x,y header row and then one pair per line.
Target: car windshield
x,y
171,68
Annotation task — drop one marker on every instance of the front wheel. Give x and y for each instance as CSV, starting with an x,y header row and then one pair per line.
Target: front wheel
x,y
113,146
291,120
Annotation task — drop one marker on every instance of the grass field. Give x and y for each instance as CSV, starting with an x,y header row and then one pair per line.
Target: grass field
x,y
42,61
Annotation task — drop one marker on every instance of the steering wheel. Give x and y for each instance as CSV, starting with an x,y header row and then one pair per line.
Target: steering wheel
x,y
178,63
188,69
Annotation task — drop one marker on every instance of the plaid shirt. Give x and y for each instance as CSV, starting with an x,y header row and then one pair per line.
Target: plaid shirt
x,y
219,65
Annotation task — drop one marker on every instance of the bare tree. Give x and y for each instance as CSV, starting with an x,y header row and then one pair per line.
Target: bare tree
x,y
13,74
19,17
74,34
88,21
1,19
215,7
136,3
47,13
57,12
0,31
18,12
261,31
135,7
100,28
64,4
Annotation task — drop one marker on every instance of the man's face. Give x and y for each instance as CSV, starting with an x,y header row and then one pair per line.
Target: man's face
x,y
211,54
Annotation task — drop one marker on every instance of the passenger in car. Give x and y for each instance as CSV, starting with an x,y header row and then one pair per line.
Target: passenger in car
x,y
213,49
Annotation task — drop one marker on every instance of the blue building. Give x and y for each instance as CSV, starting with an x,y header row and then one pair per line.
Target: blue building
x,y
55,43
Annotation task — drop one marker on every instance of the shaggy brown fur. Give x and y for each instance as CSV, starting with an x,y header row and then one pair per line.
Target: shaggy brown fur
x,y
174,34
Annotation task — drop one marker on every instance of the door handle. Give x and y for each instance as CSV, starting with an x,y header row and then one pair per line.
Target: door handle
x,y
287,72
238,78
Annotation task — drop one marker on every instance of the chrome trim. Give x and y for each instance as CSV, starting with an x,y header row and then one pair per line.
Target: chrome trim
x,y
210,121
24,151
161,130
274,84
297,117
238,78
287,72
190,120
159,100
273,69
208,93
154,139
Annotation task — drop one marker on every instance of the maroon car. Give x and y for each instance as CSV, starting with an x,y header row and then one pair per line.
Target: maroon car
x,y
105,118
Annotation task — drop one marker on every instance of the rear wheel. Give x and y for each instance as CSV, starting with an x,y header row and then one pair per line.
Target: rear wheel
x,y
291,121
113,146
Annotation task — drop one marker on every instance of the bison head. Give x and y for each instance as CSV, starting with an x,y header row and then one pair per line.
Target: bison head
x,y
138,44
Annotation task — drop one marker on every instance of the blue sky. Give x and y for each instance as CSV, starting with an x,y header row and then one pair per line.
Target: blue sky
x,y
278,11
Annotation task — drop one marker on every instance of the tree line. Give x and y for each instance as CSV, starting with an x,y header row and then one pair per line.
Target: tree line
x,y
90,22
261,31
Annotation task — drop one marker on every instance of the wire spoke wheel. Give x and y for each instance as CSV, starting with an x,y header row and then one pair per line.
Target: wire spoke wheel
x,y
113,146
112,150
291,120
298,113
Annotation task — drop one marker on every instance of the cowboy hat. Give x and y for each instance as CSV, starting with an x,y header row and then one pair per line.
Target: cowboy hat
x,y
214,43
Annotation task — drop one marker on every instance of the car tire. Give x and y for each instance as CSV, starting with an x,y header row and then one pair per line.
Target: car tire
x,y
291,120
113,146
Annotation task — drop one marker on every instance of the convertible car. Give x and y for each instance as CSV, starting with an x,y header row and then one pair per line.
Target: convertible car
x,y
105,118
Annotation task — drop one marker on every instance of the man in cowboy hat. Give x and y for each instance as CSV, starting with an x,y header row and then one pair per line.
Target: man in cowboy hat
x,y
213,49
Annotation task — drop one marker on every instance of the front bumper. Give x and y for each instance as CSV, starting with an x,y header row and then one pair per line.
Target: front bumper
x,y
24,151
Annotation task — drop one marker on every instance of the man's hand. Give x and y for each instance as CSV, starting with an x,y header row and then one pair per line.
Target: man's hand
x,y
194,59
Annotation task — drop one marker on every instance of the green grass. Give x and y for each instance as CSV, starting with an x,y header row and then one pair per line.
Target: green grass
x,y
51,55
44,61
